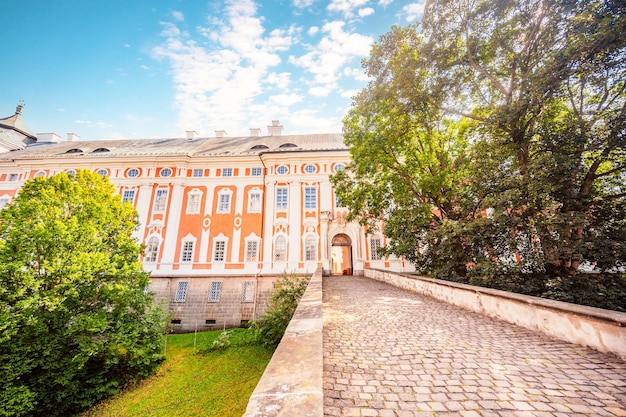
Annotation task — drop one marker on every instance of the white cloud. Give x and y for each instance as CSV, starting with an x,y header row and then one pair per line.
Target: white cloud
x,y
217,85
301,4
413,11
178,16
334,51
384,3
367,11
356,73
346,7
349,93
313,30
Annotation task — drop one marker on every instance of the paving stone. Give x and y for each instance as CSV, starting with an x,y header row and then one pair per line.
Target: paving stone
x,y
393,353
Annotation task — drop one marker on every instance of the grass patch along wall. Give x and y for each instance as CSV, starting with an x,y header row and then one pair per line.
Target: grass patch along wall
x,y
194,383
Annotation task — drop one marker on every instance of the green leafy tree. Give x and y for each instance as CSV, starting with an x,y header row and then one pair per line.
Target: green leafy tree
x,y
492,136
75,321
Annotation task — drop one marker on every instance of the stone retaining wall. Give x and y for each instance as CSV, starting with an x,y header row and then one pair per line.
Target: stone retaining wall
x,y
603,330
292,382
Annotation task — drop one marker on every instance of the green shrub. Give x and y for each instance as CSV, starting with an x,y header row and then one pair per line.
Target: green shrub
x,y
270,328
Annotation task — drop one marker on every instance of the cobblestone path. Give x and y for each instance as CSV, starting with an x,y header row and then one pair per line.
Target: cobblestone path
x,y
390,352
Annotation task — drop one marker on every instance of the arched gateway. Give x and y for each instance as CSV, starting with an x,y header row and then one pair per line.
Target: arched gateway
x,y
342,254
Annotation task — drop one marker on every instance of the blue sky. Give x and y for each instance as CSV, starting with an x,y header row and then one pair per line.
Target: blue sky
x,y
147,68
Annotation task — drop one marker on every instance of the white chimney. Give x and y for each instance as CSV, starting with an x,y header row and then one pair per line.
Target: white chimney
x,y
220,133
255,131
48,137
191,134
276,129
71,137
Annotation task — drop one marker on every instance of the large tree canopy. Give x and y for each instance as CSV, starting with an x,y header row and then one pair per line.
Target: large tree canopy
x,y
492,137
75,320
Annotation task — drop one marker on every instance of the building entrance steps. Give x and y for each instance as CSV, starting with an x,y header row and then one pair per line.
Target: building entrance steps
x,y
390,352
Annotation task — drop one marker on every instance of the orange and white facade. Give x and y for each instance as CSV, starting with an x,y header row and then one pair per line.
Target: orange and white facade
x,y
225,215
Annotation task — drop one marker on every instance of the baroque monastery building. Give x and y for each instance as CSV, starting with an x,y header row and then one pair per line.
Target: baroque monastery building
x,y
220,217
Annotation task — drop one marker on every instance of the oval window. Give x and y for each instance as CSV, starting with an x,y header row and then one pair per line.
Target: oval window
x,y
310,169
103,172
339,167
132,173
282,170
166,172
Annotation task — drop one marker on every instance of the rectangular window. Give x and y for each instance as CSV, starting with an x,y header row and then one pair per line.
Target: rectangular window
x,y
310,249
247,295
216,289
12,177
374,245
337,203
227,172
281,198
224,203
254,204
181,292
160,200
219,252
252,251
198,172
187,255
3,202
310,197
280,249
256,172
128,196
193,203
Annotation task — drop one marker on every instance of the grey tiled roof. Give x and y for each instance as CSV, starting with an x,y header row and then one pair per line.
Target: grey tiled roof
x,y
180,146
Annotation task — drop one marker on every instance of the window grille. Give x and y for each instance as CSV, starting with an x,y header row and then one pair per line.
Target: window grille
x,y
198,172
181,292
252,251
247,295
374,245
256,172
216,289
280,249
187,255
227,172
219,252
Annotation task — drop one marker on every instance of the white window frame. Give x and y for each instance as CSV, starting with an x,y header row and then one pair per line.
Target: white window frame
x,y
256,171
310,248
339,167
128,196
227,172
103,172
197,172
181,291
4,200
40,174
282,199
282,170
215,291
166,172
247,292
132,173
280,251
310,169
252,250
13,177
160,199
152,249
194,201
254,200
375,243
224,200
310,197
187,250
219,250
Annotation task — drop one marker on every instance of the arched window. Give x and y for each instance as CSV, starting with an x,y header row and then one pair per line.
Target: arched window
x,y
280,249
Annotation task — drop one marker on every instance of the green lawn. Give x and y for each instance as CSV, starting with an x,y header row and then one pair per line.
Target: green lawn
x,y
191,383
